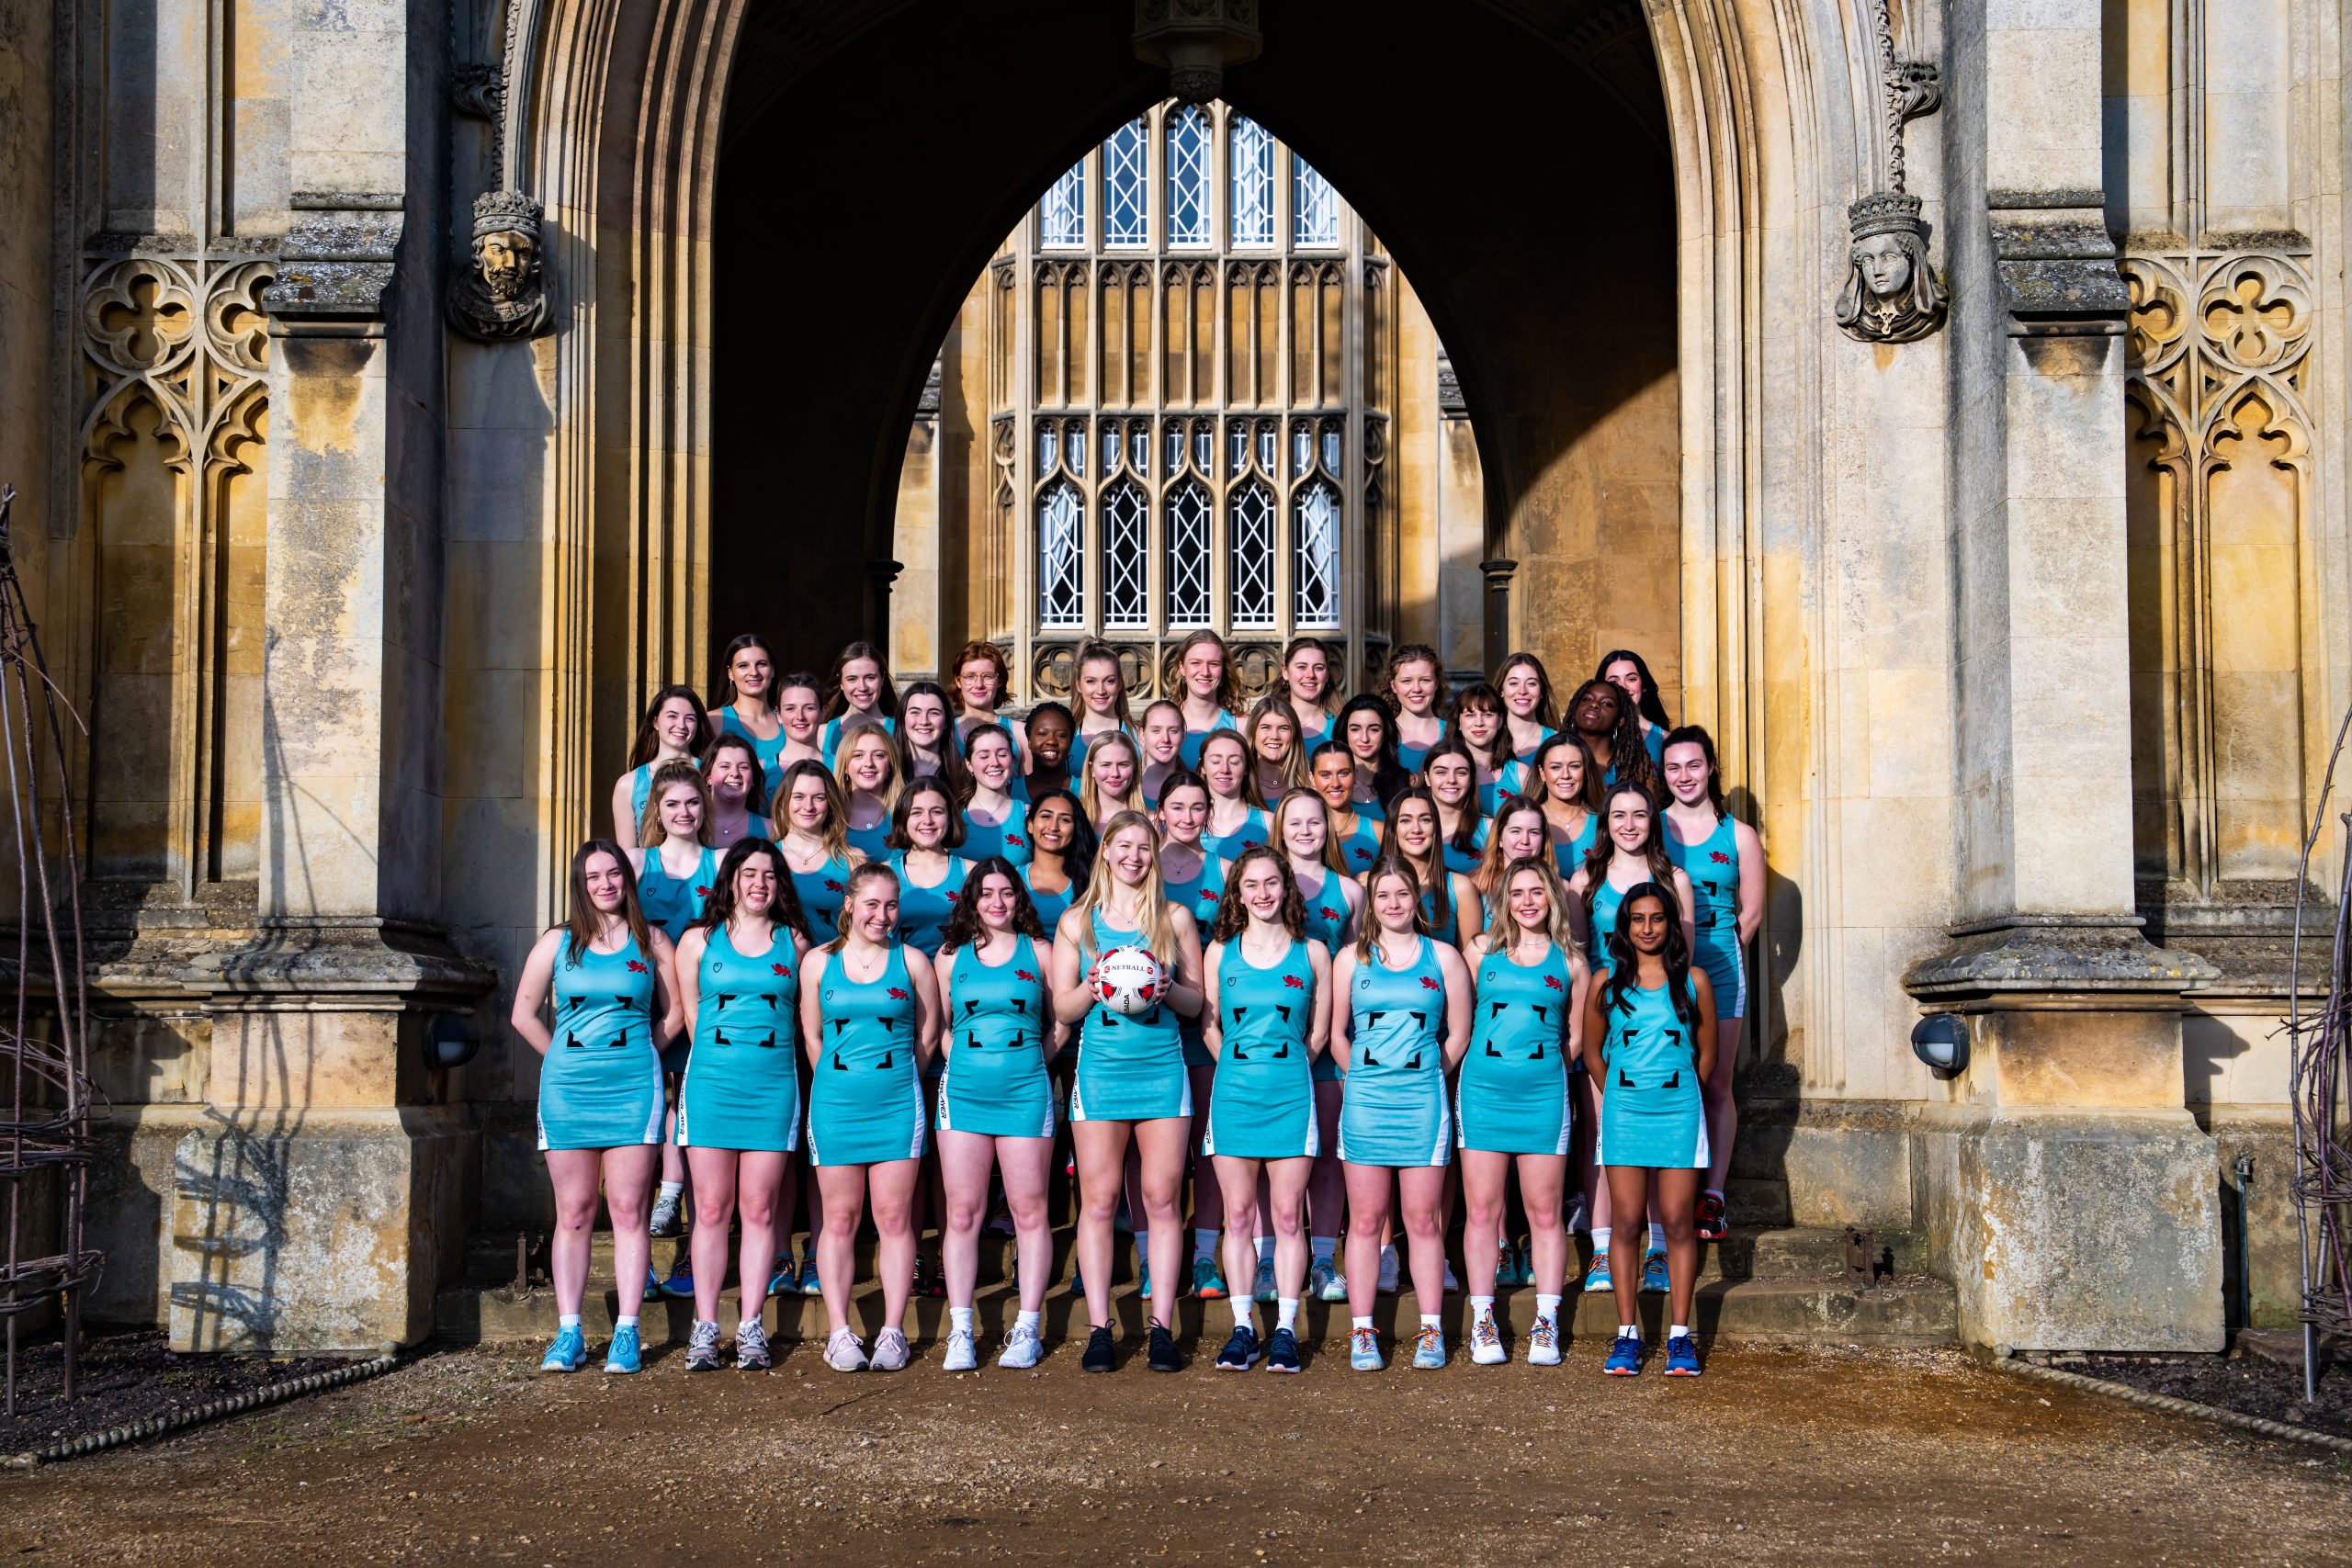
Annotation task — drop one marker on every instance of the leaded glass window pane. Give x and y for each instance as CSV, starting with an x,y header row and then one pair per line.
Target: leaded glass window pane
x,y
1267,447
1127,186
1189,139
1237,435
1302,449
1314,207
1110,446
1139,446
1127,557
1251,152
1203,446
1061,216
1061,550
1250,521
1077,437
1175,445
1049,438
1188,555
1332,448
1315,568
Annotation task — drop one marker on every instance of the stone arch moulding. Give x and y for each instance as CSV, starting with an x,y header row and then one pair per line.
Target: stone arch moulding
x,y
612,111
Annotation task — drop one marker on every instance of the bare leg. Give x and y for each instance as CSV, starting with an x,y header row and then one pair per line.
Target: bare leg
x,y
629,1182
1483,1173
1368,1190
1629,1188
1102,1170
843,1189
1722,1110
1420,1205
1166,1143
893,1186
1239,1176
1208,1194
1327,1189
762,1183
966,1161
1678,1198
714,1198
1542,1182
1589,1180
1287,1179
573,1173
1026,1165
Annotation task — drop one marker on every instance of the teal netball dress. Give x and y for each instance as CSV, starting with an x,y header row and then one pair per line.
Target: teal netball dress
x,y
1079,741
1008,839
1197,739
1263,1102
1361,847
1256,828
1050,906
770,752
675,903
1395,1113
640,790
600,1086
1200,895
1129,1069
822,893
1569,856
829,739
1513,1094
1650,1111
1605,900
1327,918
872,843
1462,861
923,912
1443,924
743,1085
1713,866
865,1093
996,1081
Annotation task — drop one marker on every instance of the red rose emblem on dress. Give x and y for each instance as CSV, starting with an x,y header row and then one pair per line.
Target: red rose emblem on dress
x,y
1428,984
634,967
1293,982
1553,981
897,995
1025,975
779,969
1719,857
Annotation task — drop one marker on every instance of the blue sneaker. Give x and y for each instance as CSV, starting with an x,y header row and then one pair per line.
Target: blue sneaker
x,y
568,1354
1428,1351
782,1282
1624,1358
809,1285
680,1285
1681,1357
1596,1282
652,1283
1240,1352
1143,1278
1363,1350
622,1354
1654,1280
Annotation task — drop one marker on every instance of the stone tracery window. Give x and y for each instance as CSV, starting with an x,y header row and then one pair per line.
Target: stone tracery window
x,y
1127,186
1190,142
1251,157
1061,216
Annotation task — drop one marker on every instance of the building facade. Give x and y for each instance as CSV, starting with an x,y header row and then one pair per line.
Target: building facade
x,y
1951,400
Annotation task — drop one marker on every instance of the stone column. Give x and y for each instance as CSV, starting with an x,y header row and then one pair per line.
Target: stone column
x,y
324,1200
1498,574
2068,1192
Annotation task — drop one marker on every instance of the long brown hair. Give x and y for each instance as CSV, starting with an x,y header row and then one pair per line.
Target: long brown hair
x,y
1491,862
648,744
1604,844
727,671
718,909
1436,880
1293,767
1102,653
755,793
929,783
650,834
1332,860
1696,735
1229,686
582,923
834,835
1547,708
1233,915
886,701
1413,653
1252,794
1368,930
964,927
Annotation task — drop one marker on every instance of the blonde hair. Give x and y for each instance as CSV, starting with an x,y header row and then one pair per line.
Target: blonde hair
x,y
1090,796
1368,932
1293,767
1156,930
1502,932
678,770
865,870
1331,857
846,741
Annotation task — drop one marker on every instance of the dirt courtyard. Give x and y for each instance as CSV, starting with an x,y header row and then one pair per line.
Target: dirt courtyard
x,y
1776,1456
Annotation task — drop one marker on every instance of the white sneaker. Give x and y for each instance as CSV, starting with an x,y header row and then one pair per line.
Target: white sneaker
x,y
1486,1344
1388,1271
890,1351
1024,1349
845,1352
1543,1344
959,1358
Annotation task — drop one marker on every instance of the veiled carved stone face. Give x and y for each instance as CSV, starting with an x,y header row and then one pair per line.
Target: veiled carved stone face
x,y
505,259
1884,264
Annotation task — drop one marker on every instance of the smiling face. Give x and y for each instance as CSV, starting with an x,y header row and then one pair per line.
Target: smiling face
x,y
1530,901
676,724
1052,826
1275,734
1261,889
874,910
1686,773
1629,821
861,684
1098,687
808,804
991,759
1395,902
1626,676
1184,812
869,762
1049,740
1564,773
1204,671
1309,674
1224,764
1112,769
1416,827
1522,691
1129,852
1335,779
755,885
1163,734
1521,833
1480,724
1366,730
801,709
996,901
923,717
751,670
1304,828
682,812
731,774
1645,921
1415,683
928,814
607,883
976,683
1449,778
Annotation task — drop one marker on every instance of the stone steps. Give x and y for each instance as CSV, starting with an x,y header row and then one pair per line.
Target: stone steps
x,y
1766,1286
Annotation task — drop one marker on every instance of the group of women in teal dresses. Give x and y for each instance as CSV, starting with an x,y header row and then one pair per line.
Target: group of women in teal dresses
x,y
1407,958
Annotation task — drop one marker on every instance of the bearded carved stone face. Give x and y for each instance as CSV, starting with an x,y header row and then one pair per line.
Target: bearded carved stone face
x,y
1884,264
505,260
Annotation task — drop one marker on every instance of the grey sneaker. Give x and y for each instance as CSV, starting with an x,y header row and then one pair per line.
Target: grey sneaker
x,y
665,1221
890,1351
752,1347
1024,1349
960,1356
701,1348
1263,1288
845,1352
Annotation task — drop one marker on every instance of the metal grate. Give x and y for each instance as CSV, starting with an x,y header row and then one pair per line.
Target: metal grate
x,y
1061,216
1314,204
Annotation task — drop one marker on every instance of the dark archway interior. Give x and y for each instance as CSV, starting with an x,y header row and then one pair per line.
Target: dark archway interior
x,y
1516,164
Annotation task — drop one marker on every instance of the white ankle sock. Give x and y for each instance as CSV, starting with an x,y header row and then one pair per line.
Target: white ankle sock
x,y
1629,1331
1286,1313
629,1322
1360,1322
1029,1320
1429,1319
1657,1238
1600,1241
959,1319
1482,1306
672,1189
1679,1331
569,1320
1548,1308
1245,1311
749,1326
1265,1249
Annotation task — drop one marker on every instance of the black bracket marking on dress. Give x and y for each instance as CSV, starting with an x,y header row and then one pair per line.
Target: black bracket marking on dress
x,y
718,1037
838,1024
884,1064
769,1043
971,1041
1542,1011
1421,1020
1282,1055
839,1066
621,1041
1284,1008
1625,1080
1495,1010
571,1043
1239,1013
1673,1082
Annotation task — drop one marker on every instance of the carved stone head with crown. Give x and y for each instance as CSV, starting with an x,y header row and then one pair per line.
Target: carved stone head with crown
x,y
502,296
1891,293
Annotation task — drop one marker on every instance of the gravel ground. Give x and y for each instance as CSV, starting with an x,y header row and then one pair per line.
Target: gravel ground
x,y
1813,1456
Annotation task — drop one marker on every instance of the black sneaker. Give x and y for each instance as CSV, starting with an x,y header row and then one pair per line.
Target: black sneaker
x,y
1099,1357
1162,1355
1240,1352
1282,1351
